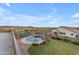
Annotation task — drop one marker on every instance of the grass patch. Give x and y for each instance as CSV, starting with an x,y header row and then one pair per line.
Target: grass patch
x,y
55,47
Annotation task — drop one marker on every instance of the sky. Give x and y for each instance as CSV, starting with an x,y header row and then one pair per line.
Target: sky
x,y
39,14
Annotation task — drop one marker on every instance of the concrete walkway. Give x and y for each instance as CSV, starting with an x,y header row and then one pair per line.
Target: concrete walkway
x,y
24,47
6,43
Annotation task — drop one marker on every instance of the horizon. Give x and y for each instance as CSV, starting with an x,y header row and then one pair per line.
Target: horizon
x,y
39,14
38,26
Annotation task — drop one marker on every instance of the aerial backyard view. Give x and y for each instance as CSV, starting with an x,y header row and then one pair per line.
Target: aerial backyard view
x,y
39,29
40,41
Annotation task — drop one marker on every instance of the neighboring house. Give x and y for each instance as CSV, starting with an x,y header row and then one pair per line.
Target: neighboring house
x,y
66,32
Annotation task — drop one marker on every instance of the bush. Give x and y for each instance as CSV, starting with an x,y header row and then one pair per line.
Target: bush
x,y
35,44
57,38
76,42
65,39
48,40
45,42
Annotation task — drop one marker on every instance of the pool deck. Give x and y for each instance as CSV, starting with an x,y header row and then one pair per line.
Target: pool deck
x,y
24,47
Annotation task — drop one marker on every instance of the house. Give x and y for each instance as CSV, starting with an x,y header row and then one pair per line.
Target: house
x,y
66,32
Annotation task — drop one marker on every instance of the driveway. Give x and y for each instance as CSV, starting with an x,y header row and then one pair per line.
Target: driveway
x,y
6,43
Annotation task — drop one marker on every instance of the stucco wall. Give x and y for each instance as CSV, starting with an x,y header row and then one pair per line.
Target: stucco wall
x,y
67,32
17,48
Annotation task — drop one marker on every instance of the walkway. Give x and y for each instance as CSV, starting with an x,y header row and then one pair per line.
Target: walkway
x,y
24,47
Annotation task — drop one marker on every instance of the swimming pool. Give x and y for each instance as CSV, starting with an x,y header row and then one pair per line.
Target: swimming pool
x,y
33,39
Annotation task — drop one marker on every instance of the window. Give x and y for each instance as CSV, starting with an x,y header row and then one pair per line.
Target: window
x,y
72,34
76,35
62,33
55,33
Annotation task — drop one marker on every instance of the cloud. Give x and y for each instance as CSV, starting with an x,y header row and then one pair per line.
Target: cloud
x,y
74,22
76,15
32,18
1,21
53,21
27,18
53,10
8,4
2,10
10,18
20,19
1,14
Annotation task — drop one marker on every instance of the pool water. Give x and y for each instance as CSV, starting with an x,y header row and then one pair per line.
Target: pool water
x,y
33,39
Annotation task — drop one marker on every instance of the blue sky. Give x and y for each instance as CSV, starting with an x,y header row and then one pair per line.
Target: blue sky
x,y
40,15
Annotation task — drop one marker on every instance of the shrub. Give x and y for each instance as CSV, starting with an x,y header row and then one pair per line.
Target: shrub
x,y
76,42
47,38
35,44
45,42
57,38
53,37
65,39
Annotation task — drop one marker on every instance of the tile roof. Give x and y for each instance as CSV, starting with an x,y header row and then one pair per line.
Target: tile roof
x,y
71,29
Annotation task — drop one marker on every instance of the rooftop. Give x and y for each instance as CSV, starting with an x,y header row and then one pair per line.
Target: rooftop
x,y
71,29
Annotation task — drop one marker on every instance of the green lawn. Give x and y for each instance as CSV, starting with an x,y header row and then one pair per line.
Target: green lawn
x,y
55,47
